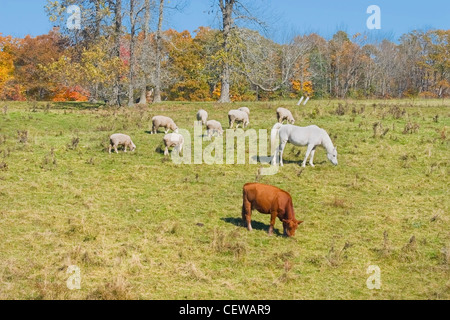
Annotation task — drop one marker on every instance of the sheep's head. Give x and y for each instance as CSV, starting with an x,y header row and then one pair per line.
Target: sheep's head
x,y
176,130
292,120
133,146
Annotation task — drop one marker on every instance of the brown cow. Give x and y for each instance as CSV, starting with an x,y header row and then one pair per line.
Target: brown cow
x,y
270,200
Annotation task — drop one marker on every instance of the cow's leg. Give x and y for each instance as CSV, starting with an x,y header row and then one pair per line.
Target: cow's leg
x,y
308,152
247,214
311,160
273,216
282,146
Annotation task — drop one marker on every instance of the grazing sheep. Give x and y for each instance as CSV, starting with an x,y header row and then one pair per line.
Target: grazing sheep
x,y
165,122
213,127
285,114
238,117
120,139
173,140
246,110
202,116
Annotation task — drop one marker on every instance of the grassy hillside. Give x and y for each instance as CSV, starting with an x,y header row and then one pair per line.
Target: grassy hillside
x,y
140,227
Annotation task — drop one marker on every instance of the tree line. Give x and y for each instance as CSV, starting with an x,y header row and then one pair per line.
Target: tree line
x,y
123,56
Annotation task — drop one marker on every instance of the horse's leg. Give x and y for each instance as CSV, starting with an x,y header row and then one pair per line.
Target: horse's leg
x,y
282,146
273,216
274,159
311,160
308,152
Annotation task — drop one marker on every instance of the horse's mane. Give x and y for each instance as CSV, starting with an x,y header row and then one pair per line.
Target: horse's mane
x,y
326,142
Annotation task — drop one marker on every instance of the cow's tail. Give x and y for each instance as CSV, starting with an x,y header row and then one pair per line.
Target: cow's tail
x,y
273,138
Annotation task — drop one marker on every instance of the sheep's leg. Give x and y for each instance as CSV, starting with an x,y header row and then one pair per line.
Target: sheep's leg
x,y
115,149
308,152
166,151
110,147
125,149
311,160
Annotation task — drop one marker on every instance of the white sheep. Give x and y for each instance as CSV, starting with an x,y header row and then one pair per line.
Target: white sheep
x,y
202,116
213,127
285,114
175,140
246,110
165,122
119,139
238,117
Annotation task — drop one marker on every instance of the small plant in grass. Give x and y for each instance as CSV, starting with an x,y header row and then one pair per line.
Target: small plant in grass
x,y
334,258
397,112
409,251
340,110
49,162
22,136
118,289
3,166
378,130
444,134
74,143
411,128
436,118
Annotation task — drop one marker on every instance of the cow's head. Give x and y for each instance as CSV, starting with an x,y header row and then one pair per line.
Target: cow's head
x,y
290,226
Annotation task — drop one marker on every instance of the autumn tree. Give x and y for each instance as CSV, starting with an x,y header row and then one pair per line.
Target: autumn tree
x,y
231,10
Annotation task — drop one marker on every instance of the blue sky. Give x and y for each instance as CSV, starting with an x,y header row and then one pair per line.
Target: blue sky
x,y
284,17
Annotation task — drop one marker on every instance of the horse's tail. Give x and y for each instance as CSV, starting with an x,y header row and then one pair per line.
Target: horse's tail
x,y
273,136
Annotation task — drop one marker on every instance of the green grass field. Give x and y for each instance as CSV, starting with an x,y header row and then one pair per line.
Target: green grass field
x,y
141,227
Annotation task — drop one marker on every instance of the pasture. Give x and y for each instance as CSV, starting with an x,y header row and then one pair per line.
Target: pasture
x,y
141,227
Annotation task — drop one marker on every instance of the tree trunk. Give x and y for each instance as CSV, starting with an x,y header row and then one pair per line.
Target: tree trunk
x,y
227,15
118,34
132,54
157,96
143,99
98,19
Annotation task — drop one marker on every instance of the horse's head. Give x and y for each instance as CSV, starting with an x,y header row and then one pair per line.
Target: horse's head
x,y
332,156
290,226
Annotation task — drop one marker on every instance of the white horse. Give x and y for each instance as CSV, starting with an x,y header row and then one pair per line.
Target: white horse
x,y
311,136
